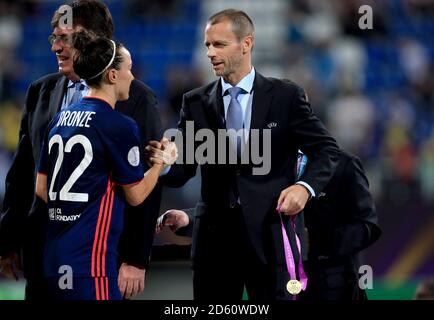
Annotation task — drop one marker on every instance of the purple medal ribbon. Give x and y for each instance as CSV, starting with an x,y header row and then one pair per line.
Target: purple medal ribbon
x,y
289,257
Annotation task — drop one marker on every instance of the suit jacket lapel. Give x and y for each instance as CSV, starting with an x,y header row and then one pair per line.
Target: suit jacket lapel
x,y
260,105
57,95
214,106
261,101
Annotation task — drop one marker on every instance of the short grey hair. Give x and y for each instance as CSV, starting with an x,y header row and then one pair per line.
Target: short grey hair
x,y
242,25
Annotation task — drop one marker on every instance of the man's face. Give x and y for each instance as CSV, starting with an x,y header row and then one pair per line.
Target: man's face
x,y
64,51
224,50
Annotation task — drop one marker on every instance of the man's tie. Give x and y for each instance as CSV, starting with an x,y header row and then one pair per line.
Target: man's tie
x,y
234,117
78,94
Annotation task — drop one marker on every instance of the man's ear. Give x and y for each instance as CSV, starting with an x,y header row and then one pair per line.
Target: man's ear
x,y
112,75
247,44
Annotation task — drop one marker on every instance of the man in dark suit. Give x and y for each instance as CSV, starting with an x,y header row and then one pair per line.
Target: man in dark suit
x,y
341,222
236,222
24,216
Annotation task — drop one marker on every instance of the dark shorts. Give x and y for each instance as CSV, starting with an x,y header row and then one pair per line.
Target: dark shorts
x,y
100,288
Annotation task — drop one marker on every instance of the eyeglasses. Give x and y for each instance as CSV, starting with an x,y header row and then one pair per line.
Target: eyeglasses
x,y
64,38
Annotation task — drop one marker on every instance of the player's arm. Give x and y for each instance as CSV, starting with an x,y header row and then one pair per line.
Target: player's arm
x,y
135,194
139,221
41,186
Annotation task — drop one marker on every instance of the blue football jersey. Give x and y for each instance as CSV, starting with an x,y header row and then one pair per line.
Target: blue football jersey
x,y
89,148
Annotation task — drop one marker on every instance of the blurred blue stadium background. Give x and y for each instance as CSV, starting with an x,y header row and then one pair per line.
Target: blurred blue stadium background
x,y
374,89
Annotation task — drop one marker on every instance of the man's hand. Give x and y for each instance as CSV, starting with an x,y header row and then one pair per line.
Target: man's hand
x,y
131,280
161,152
174,219
170,153
10,265
293,199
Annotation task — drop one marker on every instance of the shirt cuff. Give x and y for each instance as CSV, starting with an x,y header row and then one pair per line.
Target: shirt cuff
x,y
308,187
165,171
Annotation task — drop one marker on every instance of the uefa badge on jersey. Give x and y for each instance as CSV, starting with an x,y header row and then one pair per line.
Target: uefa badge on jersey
x,y
134,156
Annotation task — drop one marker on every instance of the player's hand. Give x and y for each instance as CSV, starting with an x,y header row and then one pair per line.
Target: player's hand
x,y
131,280
154,153
174,219
170,152
161,152
10,265
293,199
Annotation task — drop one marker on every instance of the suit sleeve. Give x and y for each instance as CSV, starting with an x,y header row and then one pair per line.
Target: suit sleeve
x,y
139,222
179,173
20,186
363,228
314,141
187,231
43,158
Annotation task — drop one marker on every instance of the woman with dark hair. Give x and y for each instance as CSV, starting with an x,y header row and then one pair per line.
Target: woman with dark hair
x,y
88,151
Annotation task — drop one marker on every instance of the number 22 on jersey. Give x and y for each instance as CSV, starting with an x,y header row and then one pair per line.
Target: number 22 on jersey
x,y
65,194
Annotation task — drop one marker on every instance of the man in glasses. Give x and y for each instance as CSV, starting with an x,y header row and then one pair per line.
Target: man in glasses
x,y
24,216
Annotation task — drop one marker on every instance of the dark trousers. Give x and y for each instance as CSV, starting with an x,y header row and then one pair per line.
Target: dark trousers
x,y
37,290
333,279
224,261
33,257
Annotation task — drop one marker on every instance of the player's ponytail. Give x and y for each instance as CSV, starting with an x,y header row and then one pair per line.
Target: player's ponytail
x,y
93,56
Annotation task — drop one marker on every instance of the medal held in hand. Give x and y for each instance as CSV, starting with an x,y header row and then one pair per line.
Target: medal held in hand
x,y
293,286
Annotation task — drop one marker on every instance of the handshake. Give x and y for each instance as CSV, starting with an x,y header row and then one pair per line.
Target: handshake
x,y
161,152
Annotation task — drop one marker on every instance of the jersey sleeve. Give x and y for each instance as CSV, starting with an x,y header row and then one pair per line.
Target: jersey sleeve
x,y
125,154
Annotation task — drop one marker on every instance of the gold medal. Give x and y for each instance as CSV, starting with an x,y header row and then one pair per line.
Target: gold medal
x,y
293,287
